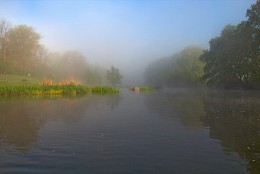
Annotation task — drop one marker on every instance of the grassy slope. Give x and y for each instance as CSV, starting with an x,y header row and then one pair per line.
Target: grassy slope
x,y
17,80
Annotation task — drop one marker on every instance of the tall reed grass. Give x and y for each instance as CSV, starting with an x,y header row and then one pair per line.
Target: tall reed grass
x,y
71,86
38,89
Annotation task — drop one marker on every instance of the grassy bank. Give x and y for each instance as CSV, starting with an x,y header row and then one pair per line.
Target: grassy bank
x,y
24,85
36,89
8,79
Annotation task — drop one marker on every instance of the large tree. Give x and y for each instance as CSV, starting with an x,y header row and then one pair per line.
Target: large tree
x,y
233,58
4,29
226,57
253,28
113,76
23,45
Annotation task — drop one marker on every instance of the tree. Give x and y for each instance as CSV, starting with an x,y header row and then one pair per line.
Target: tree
x,y
233,58
253,30
4,29
187,68
23,45
222,61
113,76
183,69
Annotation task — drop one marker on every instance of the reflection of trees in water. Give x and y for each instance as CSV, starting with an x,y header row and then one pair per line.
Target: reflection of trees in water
x,y
184,105
113,100
234,119
17,127
21,119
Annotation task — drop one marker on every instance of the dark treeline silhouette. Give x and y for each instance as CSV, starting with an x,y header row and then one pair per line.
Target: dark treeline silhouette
x,y
22,53
232,60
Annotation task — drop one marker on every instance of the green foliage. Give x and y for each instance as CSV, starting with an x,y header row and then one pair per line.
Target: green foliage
x,y
233,59
23,44
183,69
21,53
113,76
187,69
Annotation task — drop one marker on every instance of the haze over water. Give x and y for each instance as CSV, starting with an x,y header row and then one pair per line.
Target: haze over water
x,y
126,34
60,114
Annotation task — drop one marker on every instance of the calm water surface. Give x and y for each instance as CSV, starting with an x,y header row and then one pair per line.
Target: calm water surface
x,y
167,131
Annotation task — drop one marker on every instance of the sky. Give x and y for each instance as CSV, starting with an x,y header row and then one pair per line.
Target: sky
x,y
128,34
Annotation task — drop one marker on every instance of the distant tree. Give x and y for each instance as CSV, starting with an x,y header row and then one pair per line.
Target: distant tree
x,y
70,64
187,68
4,29
113,76
183,69
23,45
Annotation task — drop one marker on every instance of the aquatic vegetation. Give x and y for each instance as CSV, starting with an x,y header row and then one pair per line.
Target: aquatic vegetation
x,y
38,89
143,89
146,89
71,87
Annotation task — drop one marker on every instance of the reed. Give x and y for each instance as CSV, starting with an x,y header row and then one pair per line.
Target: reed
x,y
38,89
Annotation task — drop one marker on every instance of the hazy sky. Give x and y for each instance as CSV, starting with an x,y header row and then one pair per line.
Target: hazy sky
x,y
125,33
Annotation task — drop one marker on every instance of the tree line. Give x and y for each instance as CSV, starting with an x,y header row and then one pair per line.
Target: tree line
x,y
232,60
181,69
22,53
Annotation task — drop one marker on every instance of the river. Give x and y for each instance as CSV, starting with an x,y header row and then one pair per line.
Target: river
x,y
166,131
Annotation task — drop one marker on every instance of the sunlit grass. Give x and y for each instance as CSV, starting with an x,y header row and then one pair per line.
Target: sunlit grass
x,y
23,85
38,89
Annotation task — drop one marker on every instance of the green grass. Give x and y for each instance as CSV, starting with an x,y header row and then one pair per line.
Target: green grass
x,y
55,90
23,85
8,79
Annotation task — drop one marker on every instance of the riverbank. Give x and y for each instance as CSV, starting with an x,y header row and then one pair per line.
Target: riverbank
x,y
24,85
36,89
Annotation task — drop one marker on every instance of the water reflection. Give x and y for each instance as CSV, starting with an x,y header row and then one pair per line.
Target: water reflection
x,y
232,117
17,126
184,105
134,128
22,117
113,100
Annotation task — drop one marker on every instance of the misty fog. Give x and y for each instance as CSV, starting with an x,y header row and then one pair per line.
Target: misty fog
x,y
130,86
129,35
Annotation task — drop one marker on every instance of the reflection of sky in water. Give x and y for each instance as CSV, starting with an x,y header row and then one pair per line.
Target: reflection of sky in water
x,y
158,132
